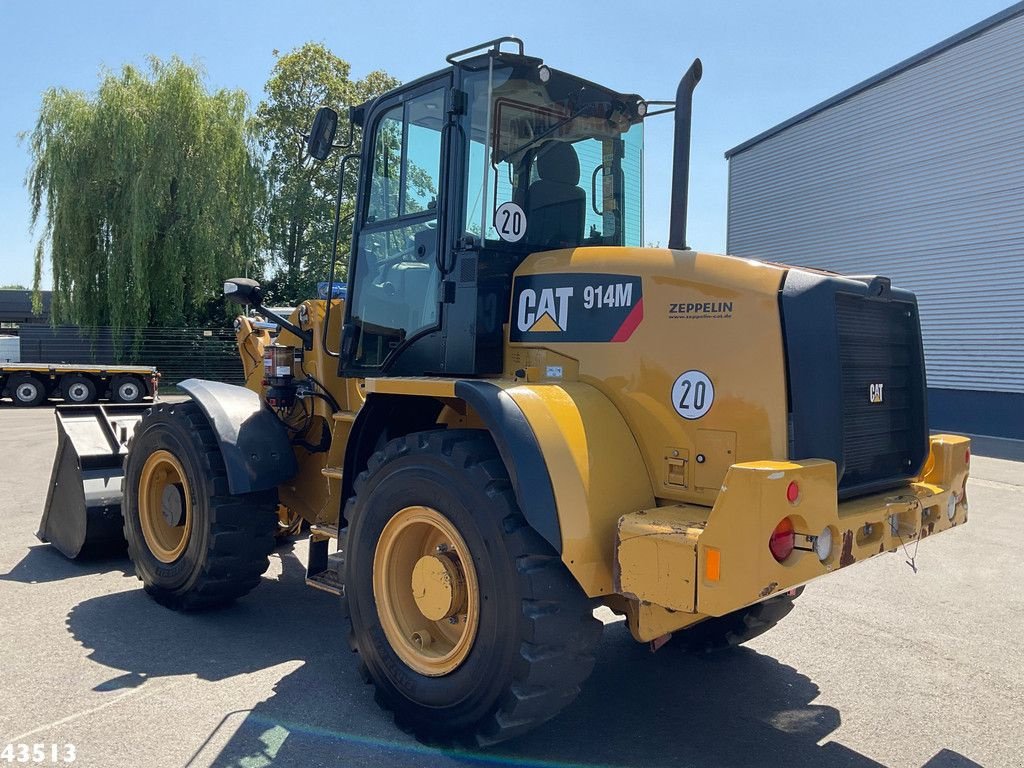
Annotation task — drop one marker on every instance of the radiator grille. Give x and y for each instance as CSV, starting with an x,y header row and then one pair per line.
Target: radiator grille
x,y
880,355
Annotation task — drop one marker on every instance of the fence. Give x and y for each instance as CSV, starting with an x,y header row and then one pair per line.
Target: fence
x,y
178,353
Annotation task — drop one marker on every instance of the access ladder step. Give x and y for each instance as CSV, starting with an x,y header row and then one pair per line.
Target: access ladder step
x,y
325,570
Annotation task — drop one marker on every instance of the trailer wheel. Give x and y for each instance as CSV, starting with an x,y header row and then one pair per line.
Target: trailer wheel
x,y
465,619
26,390
78,389
193,544
125,388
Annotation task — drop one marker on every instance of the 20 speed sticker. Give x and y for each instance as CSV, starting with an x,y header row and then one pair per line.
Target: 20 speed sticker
x,y
693,394
510,221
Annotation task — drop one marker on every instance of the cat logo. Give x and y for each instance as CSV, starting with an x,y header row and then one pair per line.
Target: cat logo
x,y
546,312
875,393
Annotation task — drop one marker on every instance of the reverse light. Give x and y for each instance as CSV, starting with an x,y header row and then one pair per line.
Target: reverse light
x,y
823,544
792,492
783,540
951,506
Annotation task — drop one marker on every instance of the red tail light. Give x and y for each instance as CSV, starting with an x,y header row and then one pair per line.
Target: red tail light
x,y
792,492
783,540
967,457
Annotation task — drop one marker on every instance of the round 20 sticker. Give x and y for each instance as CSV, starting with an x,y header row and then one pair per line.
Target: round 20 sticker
x,y
510,221
693,394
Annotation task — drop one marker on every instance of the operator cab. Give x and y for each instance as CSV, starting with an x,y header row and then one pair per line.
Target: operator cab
x,y
464,174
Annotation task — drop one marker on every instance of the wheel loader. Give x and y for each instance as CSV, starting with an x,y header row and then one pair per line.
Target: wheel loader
x,y
517,413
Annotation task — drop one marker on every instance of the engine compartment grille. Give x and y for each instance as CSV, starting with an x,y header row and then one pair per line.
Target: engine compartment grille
x,y
880,377
855,370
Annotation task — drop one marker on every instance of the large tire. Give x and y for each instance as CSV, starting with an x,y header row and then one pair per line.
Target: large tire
x,y
535,635
78,389
216,550
26,390
735,628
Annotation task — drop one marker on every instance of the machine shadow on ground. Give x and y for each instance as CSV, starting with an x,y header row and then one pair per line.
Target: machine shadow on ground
x,y
733,708
44,563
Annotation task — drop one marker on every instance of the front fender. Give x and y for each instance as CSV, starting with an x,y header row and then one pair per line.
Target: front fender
x,y
253,442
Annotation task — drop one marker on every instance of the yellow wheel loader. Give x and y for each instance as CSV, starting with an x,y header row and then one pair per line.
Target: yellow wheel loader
x,y
517,413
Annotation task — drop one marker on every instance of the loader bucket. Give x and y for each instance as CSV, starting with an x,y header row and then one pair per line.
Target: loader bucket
x,y
82,517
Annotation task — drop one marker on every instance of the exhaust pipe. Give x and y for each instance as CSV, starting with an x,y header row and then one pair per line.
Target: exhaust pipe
x,y
681,157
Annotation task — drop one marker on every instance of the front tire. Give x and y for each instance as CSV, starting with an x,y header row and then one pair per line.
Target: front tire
x,y
193,544
465,619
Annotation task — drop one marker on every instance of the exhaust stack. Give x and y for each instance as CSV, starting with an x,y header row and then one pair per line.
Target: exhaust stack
x,y
681,157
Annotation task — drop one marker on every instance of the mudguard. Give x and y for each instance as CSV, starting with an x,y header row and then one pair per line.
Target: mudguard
x,y
253,442
557,440
594,467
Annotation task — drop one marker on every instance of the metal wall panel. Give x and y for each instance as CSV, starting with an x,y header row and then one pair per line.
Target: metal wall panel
x,y
919,177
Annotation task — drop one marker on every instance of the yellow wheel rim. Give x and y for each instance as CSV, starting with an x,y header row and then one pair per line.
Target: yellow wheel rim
x,y
165,506
426,590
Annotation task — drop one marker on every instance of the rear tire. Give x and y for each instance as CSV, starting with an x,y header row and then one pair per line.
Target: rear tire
x,y
735,628
26,390
193,544
78,389
535,634
125,388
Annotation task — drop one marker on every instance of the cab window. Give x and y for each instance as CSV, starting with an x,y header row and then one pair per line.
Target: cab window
x,y
394,288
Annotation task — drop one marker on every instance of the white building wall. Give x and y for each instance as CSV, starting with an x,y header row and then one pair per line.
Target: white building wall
x,y
919,177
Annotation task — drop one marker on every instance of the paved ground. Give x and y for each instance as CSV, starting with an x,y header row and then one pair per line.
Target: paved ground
x,y
876,666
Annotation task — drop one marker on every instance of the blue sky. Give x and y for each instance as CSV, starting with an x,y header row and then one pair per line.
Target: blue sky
x,y
763,62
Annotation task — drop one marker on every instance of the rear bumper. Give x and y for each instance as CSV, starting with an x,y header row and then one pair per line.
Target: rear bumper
x,y
690,560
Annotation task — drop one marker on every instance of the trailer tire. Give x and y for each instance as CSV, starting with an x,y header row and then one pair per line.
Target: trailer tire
x,y
193,544
26,390
78,389
126,388
535,635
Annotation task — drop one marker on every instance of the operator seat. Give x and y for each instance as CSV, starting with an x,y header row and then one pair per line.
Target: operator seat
x,y
555,205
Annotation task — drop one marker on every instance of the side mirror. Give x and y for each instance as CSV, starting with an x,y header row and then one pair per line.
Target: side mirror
x,y
321,134
244,291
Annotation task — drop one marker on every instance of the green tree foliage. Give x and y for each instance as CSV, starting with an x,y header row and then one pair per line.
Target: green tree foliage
x,y
148,193
299,217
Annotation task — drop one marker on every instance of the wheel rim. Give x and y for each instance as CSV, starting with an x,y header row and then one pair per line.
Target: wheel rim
x,y
165,506
26,392
128,390
78,392
425,586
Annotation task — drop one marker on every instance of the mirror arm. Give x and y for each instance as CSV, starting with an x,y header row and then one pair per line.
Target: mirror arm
x,y
305,335
349,140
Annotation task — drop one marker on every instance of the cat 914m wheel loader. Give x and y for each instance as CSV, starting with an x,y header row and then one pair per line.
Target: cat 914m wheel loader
x,y
517,413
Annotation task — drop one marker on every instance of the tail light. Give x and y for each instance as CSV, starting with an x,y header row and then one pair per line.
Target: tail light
x,y
783,540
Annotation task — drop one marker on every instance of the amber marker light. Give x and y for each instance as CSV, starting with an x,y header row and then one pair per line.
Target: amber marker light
x,y
712,564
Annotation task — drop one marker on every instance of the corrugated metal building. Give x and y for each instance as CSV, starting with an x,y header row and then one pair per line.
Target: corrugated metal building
x,y
916,174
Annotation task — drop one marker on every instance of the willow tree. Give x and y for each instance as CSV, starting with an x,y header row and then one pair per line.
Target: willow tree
x,y
299,217
147,192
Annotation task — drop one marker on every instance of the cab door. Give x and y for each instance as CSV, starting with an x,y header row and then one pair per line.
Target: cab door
x,y
393,312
